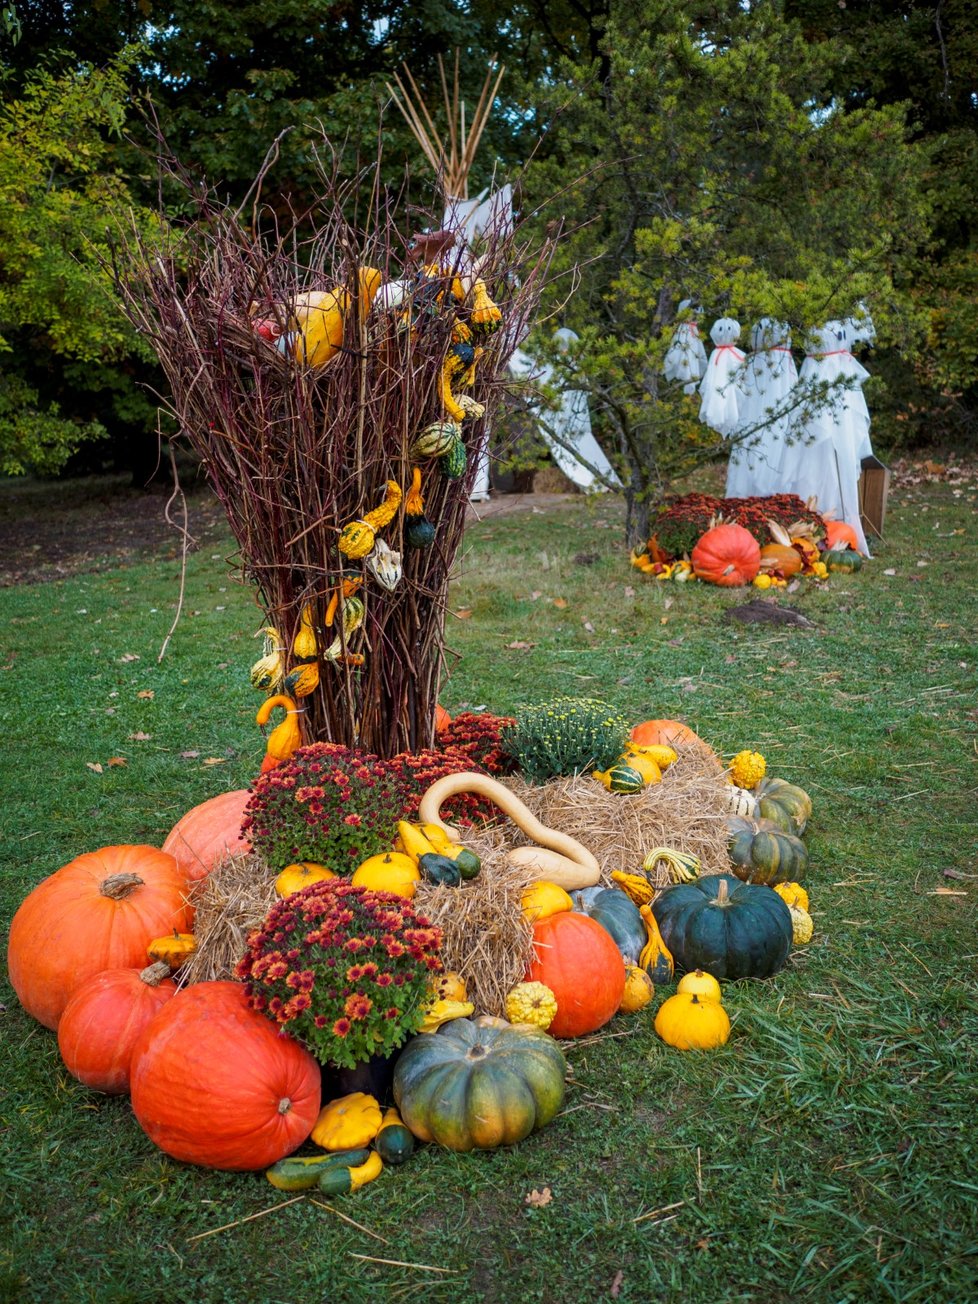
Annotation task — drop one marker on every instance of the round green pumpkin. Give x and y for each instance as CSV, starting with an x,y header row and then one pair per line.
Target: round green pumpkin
x,y
785,804
476,1084
763,853
842,560
725,927
618,915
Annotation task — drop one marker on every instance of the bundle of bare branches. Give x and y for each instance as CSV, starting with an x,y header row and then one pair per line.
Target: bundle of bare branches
x,y
303,371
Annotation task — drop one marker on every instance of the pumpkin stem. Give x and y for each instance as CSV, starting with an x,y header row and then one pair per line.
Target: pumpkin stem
x,y
284,1105
118,886
722,893
154,974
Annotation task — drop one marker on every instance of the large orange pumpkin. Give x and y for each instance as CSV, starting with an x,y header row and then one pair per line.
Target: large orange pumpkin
x,y
670,733
838,532
99,912
213,1083
579,961
208,832
728,555
780,557
103,1019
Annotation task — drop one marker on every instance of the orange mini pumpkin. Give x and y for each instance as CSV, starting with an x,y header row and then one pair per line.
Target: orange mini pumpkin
x,y
838,532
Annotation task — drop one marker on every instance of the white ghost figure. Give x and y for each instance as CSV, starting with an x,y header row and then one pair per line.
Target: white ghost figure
x,y
720,391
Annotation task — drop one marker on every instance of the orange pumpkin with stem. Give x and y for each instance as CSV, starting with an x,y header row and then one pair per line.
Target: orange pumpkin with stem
x,y
214,1083
103,1019
99,912
670,733
838,533
727,555
207,832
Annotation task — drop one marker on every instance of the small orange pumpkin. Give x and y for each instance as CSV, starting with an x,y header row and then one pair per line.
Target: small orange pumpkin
x,y
780,557
838,532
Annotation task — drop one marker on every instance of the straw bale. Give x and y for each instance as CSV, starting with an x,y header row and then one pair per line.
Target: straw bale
x,y
686,811
485,937
232,900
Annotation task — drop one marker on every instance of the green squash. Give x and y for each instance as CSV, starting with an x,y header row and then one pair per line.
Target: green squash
x,y
394,1142
842,560
437,439
454,462
762,854
725,927
440,869
787,805
618,915
624,778
476,1084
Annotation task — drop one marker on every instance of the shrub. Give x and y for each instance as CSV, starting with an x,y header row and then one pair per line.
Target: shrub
x,y
478,737
570,735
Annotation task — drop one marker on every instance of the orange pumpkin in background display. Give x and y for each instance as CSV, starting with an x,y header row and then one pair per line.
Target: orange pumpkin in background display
x,y
103,1019
214,1083
837,533
727,555
579,961
99,912
780,557
207,832
442,719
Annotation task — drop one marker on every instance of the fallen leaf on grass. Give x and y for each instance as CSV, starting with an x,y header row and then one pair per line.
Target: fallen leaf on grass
x,y
588,626
463,613
560,603
116,760
629,591
128,656
537,593
956,873
616,1284
140,737
214,760
539,1199
189,756
520,646
889,572
146,694
94,765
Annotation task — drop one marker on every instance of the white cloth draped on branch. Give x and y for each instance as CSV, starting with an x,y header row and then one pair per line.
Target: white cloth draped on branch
x,y
769,376
831,434
685,358
720,391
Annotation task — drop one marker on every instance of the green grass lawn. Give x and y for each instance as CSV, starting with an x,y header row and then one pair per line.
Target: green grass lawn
x,y
828,1152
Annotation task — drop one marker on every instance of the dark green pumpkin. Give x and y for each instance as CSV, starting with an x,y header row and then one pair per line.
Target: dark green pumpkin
x,y
468,863
842,560
724,927
476,1084
768,855
419,531
787,805
618,915
394,1142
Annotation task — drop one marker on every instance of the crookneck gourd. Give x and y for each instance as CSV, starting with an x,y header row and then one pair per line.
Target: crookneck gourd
x,y
556,857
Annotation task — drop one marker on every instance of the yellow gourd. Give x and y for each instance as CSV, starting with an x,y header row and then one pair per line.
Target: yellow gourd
x,y
532,1003
442,1011
286,737
347,1122
645,766
701,984
390,871
485,315
304,646
320,318
294,878
681,866
448,987
793,894
635,886
414,842
175,949
802,926
303,680
663,756
543,899
384,514
656,958
356,539
638,990
689,1022
267,673
747,769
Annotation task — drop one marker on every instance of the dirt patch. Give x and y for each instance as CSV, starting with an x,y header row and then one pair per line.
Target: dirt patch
x,y
50,531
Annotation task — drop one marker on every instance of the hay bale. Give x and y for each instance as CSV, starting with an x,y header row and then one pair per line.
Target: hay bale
x,y
230,902
686,811
485,937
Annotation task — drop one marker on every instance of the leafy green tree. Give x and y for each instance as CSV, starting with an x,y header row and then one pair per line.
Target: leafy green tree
x,y
60,329
713,169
